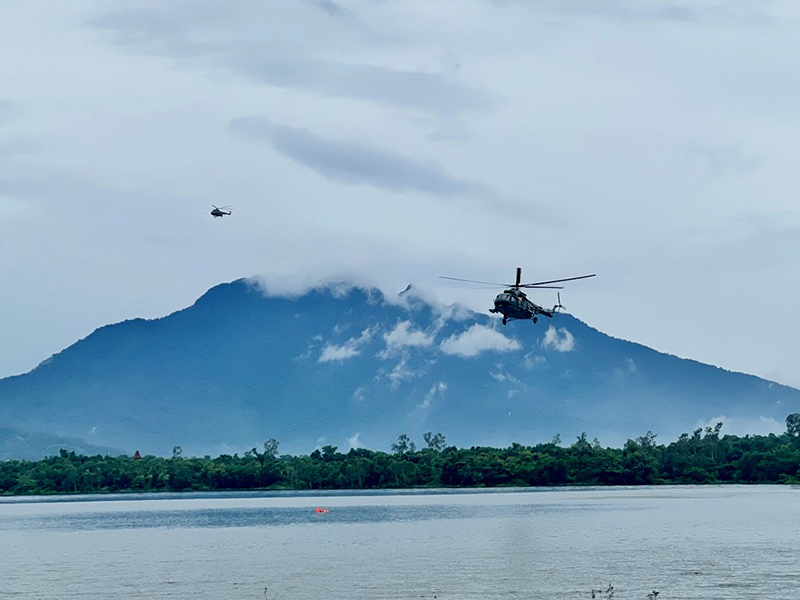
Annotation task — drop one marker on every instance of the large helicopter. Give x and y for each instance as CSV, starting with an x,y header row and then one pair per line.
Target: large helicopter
x,y
514,304
220,212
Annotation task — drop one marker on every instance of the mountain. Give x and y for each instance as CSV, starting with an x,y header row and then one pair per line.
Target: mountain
x,y
350,366
27,445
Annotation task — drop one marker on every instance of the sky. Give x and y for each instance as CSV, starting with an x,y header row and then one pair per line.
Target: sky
x,y
388,142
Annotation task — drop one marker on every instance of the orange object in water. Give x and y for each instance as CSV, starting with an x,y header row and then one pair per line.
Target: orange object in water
x,y
322,510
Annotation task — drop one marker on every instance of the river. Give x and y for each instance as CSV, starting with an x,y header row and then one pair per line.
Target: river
x,y
685,542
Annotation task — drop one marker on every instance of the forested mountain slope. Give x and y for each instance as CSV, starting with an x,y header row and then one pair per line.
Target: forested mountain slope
x,y
349,367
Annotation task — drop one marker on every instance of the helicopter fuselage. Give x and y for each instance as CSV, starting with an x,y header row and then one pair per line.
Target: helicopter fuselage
x,y
514,304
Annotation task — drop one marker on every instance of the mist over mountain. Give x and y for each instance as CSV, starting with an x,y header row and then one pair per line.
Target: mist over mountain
x,y
348,367
33,445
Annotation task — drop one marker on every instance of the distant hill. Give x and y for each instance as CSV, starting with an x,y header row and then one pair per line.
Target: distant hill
x,y
349,366
27,445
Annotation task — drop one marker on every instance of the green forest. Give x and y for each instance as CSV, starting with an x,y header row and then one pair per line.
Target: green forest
x,y
704,456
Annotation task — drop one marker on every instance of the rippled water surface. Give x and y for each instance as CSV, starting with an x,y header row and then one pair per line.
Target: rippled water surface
x,y
685,542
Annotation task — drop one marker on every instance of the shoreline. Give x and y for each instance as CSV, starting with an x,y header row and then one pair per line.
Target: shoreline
x,y
355,492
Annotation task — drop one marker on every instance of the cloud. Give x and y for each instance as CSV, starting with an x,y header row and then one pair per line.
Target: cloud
x,y
358,395
477,339
355,163
403,336
282,46
532,361
633,11
623,10
334,9
742,426
622,373
7,109
503,376
726,160
438,389
354,441
414,298
560,340
338,353
351,348
400,373
340,327
411,89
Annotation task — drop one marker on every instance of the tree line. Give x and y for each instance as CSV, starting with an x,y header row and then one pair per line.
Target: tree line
x,y
704,456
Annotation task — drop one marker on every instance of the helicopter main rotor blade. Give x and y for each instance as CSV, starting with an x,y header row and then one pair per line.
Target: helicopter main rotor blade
x,y
494,287
481,282
538,283
542,287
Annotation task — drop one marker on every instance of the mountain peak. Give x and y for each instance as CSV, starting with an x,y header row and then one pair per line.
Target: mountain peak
x,y
239,366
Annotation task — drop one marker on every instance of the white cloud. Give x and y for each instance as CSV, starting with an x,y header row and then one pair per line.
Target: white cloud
x,y
742,426
336,353
354,441
340,327
340,289
437,389
451,312
403,335
532,361
477,339
349,349
622,373
305,355
401,373
560,340
358,395
503,376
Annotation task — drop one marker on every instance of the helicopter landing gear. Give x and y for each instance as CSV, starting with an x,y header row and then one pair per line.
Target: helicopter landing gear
x,y
535,320
505,320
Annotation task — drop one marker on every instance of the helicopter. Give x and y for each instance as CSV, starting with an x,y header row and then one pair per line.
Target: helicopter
x,y
514,304
220,212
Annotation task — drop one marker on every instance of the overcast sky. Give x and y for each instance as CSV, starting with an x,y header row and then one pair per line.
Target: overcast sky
x,y
387,142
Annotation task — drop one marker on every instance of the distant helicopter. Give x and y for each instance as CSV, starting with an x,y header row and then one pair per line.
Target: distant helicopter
x,y
513,303
220,212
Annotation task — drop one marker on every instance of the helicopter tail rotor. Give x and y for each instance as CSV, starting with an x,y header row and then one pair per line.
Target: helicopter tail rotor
x,y
558,306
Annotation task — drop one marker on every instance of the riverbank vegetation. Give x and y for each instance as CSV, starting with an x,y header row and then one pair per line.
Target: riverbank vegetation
x,y
704,456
